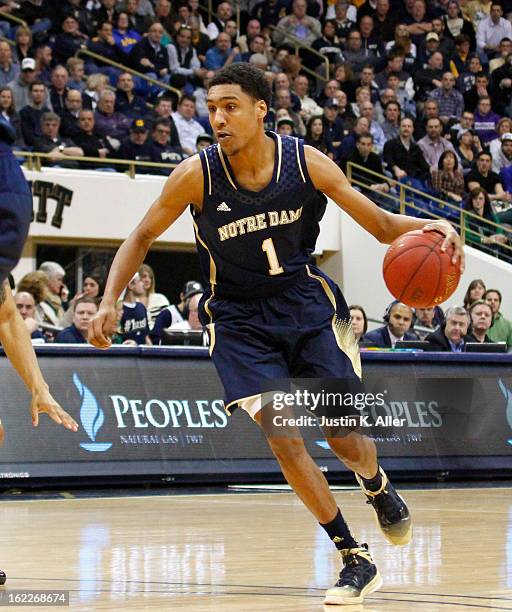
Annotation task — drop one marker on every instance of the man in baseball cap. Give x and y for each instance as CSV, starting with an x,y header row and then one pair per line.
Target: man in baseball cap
x,y
20,85
190,289
285,126
203,141
502,158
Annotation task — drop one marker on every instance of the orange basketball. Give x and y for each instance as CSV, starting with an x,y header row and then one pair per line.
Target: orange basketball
x,y
417,272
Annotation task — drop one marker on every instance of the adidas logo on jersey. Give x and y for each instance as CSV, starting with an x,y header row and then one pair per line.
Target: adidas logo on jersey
x,y
224,207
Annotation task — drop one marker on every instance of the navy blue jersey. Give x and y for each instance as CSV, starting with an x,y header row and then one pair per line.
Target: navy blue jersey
x,y
257,244
134,323
15,206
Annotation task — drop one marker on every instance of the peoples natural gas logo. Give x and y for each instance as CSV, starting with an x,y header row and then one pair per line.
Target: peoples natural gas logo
x,y
91,416
139,421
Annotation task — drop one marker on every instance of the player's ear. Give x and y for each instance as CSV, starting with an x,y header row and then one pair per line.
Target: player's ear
x,y
261,109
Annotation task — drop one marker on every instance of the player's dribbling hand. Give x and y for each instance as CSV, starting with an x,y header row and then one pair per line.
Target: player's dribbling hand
x,y
451,239
102,327
43,402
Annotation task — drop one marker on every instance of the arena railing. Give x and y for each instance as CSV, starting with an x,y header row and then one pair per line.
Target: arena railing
x,y
35,161
402,198
106,60
299,44
14,19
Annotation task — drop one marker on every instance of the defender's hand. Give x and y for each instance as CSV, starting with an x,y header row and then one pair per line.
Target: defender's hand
x,y
102,327
43,402
451,239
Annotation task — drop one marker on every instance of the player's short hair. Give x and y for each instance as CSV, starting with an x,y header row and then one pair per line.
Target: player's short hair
x,y
251,80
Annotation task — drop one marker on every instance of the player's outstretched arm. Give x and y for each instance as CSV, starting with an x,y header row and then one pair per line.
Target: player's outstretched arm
x,y
385,226
18,347
183,187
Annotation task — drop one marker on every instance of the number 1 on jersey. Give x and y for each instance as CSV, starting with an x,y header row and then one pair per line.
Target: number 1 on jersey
x,y
269,249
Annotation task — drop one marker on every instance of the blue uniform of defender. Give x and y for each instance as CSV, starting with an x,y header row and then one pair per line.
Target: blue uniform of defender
x,y
269,313
15,204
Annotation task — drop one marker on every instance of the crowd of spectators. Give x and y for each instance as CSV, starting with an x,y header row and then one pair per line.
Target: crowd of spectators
x,y
418,91
478,321
144,316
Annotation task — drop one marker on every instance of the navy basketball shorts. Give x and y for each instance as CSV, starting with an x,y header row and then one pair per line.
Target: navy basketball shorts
x,y
304,332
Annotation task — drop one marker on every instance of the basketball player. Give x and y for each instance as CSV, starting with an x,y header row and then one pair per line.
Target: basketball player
x,y
15,212
256,199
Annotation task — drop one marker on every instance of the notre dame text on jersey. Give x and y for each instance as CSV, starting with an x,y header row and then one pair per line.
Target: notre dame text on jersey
x,y
256,244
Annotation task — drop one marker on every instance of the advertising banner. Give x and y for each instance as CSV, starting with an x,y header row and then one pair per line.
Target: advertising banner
x,y
149,414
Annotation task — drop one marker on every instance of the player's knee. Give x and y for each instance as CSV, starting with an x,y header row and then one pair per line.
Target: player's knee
x,y
287,450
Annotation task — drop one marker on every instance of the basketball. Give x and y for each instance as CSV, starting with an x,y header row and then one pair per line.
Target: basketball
x,y
417,272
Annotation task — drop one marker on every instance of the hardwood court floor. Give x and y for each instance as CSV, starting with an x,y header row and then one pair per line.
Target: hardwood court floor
x,y
248,552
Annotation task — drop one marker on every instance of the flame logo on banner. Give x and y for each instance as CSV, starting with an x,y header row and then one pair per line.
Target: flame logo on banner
x,y
508,396
91,415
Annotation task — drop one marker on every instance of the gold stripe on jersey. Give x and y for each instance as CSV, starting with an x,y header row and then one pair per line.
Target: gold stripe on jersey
x,y
223,162
209,173
213,280
279,157
298,159
342,330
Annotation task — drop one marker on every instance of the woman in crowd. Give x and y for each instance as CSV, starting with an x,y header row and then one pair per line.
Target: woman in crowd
x,y
480,231
467,150
448,184
154,302
315,136
345,77
36,283
9,114
456,24
23,48
475,292
359,321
